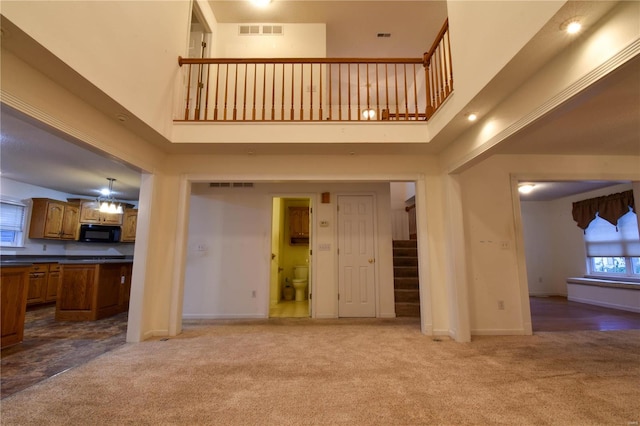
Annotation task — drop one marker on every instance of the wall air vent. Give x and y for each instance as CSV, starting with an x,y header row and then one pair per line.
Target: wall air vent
x,y
249,29
256,30
230,184
384,35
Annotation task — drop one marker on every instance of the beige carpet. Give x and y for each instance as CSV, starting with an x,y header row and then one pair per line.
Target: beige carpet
x,y
344,372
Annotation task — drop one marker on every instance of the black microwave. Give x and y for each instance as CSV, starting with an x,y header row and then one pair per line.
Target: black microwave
x,y
99,234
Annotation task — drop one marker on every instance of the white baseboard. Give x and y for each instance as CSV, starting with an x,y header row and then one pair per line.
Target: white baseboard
x,y
155,333
387,315
223,316
605,304
499,332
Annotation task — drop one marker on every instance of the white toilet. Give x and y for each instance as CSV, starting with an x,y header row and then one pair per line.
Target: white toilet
x,y
300,277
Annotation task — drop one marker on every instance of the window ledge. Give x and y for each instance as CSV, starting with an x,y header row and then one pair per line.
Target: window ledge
x,y
629,283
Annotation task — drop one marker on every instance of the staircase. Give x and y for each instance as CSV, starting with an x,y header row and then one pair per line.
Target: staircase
x,y
405,274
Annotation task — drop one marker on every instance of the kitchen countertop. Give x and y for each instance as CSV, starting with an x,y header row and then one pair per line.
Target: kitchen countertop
x,y
64,260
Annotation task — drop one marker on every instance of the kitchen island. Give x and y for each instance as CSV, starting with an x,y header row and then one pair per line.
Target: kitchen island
x,y
91,290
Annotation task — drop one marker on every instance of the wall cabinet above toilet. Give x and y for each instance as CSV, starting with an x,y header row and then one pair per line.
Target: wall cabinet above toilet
x,y
298,225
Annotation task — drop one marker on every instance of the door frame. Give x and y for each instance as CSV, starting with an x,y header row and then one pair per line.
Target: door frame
x,y
313,201
376,254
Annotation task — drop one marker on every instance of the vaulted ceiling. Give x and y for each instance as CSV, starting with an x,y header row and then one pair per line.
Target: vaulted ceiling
x,y
602,120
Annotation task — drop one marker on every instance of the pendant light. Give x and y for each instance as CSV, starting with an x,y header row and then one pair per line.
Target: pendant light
x,y
108,204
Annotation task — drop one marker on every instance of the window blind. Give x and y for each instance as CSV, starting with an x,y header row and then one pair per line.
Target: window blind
x,y
11,216
604,240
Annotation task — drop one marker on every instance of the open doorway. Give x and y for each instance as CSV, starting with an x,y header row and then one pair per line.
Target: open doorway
x,y
406,280
290,280
556,256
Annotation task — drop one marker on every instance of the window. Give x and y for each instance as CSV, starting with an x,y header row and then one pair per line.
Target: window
x,y
12,223
613,251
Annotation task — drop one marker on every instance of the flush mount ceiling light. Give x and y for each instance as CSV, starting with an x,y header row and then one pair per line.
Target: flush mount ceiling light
x,y
472,117
107,202
260,3
525,188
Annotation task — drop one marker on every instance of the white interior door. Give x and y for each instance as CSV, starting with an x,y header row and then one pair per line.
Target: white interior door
x,y
356,261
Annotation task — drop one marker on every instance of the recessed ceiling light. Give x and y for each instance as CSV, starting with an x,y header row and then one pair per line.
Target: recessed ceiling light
x,y
525,188
472,117
122,117
572,26
260,3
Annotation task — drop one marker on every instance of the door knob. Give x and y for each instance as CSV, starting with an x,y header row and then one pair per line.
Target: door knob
x,y
371,260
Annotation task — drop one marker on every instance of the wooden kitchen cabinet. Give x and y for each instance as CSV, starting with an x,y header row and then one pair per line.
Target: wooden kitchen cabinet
x,y
90,213
14,285
53,281
129,225
299,225
38,275
53,219
89,292
43,283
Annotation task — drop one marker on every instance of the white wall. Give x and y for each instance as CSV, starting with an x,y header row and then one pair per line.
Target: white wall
x,y
128,49
297,41
45,247
553,243
234,226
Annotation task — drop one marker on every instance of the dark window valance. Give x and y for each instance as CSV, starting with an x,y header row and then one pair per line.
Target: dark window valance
x,y
610,208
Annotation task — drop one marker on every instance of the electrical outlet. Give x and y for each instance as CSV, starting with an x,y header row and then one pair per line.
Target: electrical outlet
x,y
44,247
501,305
504,245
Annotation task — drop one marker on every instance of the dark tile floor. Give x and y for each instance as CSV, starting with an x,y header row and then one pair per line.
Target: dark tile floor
x,y
51,347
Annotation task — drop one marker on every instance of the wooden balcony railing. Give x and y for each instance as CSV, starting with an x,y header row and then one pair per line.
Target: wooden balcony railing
x,y
317,89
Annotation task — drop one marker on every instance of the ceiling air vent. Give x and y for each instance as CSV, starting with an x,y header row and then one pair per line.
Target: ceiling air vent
x,y
384,35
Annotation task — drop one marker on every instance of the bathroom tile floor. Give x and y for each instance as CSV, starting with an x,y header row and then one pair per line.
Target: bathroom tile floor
x,y
290,309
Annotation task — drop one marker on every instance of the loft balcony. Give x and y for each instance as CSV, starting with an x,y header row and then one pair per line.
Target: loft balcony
x,y
302,91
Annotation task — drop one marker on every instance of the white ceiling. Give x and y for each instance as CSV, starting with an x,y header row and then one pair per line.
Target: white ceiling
x,y
604,119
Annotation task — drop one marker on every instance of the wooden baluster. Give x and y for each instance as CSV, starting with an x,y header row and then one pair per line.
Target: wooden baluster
x,y
255,76
320,93
244,94
186,109
427,93
292,91
311,93
196,115
329,67
368,95
415,91
386,85
377,94
450,63
358,91
339,92
301,91
264,90
439,75
226,91
215,109
235,95
349,90
406,95
206,101
397,105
